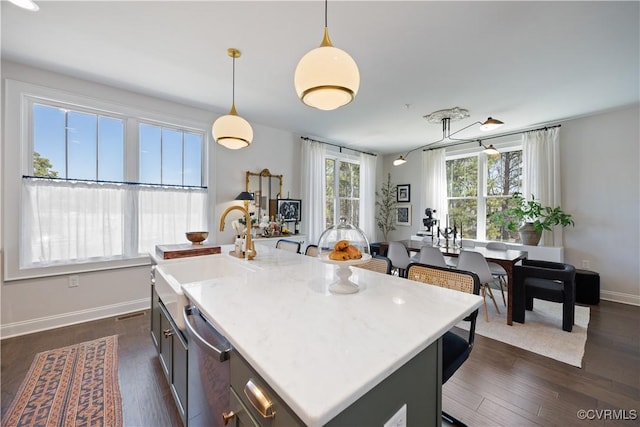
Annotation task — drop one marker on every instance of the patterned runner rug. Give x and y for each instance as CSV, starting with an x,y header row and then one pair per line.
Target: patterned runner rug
x,y
70,386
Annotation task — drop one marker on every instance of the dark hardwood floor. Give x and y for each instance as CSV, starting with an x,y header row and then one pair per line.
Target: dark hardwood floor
x,y
498,385
504,385
146,398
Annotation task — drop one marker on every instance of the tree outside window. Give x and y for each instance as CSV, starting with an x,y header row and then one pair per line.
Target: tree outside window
x,y
479,185
343,191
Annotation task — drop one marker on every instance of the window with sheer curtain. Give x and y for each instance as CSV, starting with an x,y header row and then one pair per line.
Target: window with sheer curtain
x,y
97,192
343,190
477,186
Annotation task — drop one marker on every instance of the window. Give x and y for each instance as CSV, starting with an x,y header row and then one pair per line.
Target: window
x,y
343,191
77,145
80,201
170,156
477,186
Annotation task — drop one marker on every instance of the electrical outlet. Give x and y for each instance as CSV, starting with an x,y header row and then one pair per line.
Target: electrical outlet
x,y
74,281
586,264
399,419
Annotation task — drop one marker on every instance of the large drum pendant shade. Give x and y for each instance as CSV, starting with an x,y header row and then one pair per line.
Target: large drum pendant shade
x,y
327,77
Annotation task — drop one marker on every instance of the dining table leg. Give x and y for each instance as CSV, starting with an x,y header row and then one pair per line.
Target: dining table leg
x,y
508,267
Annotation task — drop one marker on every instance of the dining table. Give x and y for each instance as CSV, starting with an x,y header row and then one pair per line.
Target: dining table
x,y
506,259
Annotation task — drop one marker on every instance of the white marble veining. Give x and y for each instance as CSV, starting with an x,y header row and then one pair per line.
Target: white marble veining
x,y
320,351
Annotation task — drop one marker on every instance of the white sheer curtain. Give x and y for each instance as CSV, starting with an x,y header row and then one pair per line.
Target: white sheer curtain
x,y
541,173
313,189
434,183
368,195
67,221
165,214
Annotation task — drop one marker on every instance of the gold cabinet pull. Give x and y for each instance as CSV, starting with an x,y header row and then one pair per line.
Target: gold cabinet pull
x,y
167,333
259,399
226,416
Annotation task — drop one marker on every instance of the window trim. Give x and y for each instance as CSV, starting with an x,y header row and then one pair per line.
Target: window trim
x,y
18,159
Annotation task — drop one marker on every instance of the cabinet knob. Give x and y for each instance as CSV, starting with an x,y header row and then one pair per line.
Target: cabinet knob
x,y
226,416
167,333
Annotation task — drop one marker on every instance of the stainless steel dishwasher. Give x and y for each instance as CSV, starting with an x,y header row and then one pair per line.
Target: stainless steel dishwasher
x,y
208,380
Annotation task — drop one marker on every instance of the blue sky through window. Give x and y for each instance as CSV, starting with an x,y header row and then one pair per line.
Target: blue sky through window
x,y
88,146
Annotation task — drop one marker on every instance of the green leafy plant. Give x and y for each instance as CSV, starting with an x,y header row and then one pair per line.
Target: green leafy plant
x,y
386,204
532,211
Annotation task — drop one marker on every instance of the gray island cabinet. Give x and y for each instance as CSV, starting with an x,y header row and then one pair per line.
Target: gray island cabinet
x,y
304,356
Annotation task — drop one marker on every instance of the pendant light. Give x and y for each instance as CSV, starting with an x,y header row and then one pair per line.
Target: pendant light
x,y
490,150
232,131
327,78
491,124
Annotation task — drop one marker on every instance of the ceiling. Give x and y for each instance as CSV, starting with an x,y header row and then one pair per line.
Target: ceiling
x,y
525,63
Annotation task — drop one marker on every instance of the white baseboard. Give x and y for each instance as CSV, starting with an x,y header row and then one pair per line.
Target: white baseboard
x,y
620,297
44,323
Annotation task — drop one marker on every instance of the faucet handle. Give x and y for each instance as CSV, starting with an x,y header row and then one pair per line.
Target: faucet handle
x,y
251,253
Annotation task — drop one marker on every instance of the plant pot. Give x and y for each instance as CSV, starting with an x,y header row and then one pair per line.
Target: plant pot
x,y
529,235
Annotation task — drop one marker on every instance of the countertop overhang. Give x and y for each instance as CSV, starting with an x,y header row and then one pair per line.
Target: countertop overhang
x,y
321,351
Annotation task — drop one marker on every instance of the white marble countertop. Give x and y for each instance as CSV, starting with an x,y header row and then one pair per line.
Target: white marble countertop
x,y
320,351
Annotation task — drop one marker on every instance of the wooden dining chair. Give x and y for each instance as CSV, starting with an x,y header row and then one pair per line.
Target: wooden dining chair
x,y
455,348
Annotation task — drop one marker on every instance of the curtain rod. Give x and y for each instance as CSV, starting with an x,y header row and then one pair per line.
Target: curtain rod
x,y
492,137
50,178
339,146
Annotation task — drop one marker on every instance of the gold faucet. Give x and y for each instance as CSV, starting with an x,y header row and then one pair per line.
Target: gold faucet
x,y
250,246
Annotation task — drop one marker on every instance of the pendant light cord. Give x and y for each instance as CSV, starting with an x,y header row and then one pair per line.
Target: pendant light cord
x,y
233,81
325,13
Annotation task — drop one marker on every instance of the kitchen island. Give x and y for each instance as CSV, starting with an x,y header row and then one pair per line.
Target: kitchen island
x,y
329,357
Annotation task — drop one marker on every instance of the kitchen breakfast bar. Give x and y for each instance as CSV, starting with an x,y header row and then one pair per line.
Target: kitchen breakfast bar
x,y
302,355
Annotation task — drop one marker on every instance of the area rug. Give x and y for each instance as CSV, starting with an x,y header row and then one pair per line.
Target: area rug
x,y
541,332
70,386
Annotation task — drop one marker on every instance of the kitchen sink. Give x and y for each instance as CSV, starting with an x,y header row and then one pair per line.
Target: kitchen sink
x,y
172,274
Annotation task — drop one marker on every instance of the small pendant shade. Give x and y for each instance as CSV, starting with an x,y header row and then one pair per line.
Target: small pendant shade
x,y
232,131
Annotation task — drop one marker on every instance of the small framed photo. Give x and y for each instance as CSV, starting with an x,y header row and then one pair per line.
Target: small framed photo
x,y
290,209
403,215
403,193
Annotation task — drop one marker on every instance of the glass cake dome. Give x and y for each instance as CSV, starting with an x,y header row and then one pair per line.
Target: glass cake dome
x,y
347,235
343,245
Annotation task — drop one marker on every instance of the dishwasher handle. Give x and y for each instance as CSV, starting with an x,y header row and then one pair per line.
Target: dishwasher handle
x,y
188,311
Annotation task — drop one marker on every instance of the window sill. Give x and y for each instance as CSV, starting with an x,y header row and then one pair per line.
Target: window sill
x,y
75,268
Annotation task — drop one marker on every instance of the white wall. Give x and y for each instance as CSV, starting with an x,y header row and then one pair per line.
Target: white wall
x,y
601,188
600,159
36,304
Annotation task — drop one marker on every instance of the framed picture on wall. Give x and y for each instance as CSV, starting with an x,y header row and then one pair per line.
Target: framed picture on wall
x,y
290,209
403,215
403,193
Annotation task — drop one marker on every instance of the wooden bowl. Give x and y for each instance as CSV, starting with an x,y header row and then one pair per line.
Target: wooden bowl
x,y
197,237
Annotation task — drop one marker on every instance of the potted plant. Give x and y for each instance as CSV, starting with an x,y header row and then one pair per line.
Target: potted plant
x,y
530,218
386,204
